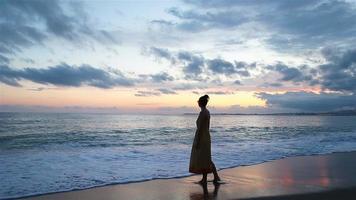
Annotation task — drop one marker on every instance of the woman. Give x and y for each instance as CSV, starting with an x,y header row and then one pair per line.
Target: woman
x,y
200,158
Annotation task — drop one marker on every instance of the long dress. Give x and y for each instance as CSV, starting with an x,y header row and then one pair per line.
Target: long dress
x,y
200,158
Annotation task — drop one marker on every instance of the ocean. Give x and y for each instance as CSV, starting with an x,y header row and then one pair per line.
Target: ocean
x,y
45,152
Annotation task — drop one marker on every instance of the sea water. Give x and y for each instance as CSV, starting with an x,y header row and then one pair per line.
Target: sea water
x,y
44,153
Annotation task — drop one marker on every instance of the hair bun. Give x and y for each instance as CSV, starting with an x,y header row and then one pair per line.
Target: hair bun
x,y
203,100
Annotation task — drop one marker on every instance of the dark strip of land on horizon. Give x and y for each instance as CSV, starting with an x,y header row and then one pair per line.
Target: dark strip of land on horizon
x,y
334,113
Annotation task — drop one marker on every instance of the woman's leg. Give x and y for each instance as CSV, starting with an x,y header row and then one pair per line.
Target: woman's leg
x,y
204,179
216,176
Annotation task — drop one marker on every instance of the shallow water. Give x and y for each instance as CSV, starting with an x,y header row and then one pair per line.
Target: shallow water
x,y
42,153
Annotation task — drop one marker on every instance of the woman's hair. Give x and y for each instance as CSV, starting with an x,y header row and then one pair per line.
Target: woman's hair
x,y
203,100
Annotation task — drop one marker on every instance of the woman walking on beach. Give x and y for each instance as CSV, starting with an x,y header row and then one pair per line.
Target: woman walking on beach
x,y
200,158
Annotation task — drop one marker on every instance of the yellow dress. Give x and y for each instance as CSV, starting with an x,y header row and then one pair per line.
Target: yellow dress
x,y
200,159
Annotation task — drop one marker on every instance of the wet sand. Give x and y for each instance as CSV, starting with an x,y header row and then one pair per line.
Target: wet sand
x,y
331,176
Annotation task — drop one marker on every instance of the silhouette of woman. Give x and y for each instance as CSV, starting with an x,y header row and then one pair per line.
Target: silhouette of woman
x,y
200,158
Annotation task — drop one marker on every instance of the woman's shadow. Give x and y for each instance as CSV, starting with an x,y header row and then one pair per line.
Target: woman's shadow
x,y
206,194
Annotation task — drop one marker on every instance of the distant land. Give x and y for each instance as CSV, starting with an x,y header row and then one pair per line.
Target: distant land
x,y
333,113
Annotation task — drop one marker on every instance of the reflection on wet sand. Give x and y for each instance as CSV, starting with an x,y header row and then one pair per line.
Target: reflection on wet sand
x,y
205,194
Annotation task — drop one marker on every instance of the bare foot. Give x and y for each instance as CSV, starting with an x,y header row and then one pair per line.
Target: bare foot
x,y
202,182
217,180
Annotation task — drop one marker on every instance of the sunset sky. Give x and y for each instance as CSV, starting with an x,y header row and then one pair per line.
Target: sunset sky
x,y
249,56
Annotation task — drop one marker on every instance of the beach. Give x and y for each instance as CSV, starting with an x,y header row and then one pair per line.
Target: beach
x,y
330,176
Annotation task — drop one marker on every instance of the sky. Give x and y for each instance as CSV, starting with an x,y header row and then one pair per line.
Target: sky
x,y
249,56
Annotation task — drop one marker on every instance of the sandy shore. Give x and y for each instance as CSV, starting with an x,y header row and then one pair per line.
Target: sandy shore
x,y
331,176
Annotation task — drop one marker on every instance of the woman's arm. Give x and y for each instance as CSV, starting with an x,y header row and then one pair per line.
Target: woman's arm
x,y
197,140
198,131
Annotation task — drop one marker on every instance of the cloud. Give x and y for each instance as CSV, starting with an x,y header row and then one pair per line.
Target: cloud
x,y
290,73
186,86
284,24
227,68
237,82
192,64
28,23
162,22
195,65
156,92
161,77
65,75
160,53
272,85
166,91
14,37
219,92
39,89
197,21
312,22
4,59
221,66
147,93
339,72
310,102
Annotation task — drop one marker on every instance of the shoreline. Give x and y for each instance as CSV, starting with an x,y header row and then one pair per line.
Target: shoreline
x,y
169,178
186,182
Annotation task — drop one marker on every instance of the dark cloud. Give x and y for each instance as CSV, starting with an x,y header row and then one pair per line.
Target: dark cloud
x,y
312,22
287,24
198,21
195,65
192,64
64,75
237,82
310,102
161,77
232,3
156,92
185,86
50,14
339,72
266,85
221,66
243,73
14,37
162,22
227,68
290,73
214,92
147,93
160,53
220,92
166,91
39,89
27,23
